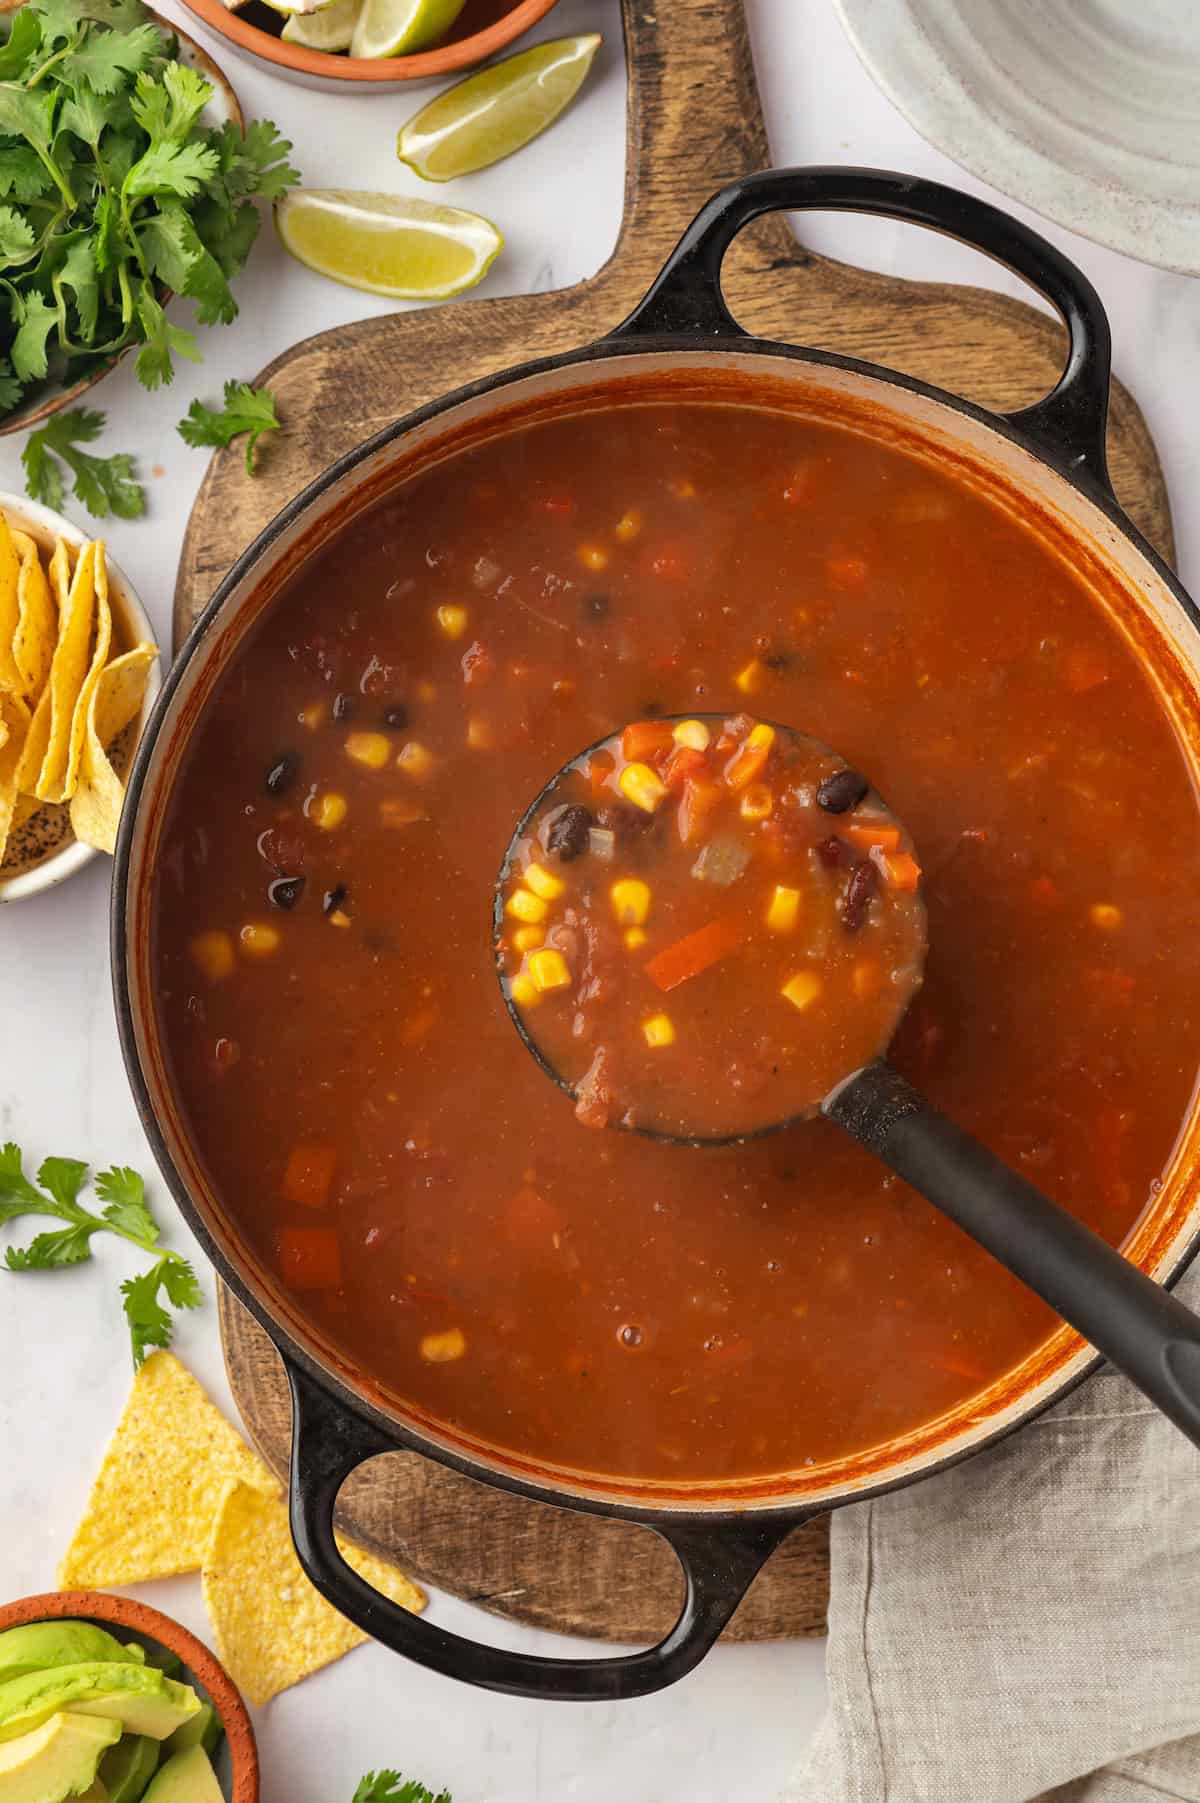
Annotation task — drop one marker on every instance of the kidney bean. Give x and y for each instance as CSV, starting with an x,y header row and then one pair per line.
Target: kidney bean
x,y
831,852
864,881
568,834
842,791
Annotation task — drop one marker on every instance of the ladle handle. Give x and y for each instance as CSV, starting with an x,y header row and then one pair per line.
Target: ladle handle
x,y
1132,1320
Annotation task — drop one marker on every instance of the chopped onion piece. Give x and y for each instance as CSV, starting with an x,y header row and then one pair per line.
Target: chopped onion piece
x,y
602,843
721,862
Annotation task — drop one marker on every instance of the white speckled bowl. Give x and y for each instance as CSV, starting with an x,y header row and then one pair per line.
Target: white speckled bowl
x,y
1088,110
42,861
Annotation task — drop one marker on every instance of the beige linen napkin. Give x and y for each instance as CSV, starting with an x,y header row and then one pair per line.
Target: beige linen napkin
x,y
1025,1626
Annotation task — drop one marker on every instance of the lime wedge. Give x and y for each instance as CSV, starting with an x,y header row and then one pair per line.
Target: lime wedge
x,y
330,29
292,9
386,243
491,114
398,27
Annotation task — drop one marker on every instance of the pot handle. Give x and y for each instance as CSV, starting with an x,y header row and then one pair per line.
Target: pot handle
x,y
1069,422
719,1562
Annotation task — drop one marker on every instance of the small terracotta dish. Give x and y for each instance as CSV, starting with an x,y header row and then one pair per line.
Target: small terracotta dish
x,y
236,1759
483,28
44,851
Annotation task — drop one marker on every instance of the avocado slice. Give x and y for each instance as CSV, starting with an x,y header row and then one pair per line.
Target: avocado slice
x,y
55,1760
165,1661
127,1769
137,1696
203,1730
186,1777
41,1644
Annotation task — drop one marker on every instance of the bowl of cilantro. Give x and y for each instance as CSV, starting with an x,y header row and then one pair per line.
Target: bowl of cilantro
x,y
129,176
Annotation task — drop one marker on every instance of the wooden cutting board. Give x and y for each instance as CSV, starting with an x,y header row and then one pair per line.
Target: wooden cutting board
x,y
695,122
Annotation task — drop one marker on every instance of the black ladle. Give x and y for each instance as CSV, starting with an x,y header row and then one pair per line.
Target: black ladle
x,y
1140,1327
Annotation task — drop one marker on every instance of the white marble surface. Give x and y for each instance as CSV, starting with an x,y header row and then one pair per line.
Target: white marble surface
x,y
736,1726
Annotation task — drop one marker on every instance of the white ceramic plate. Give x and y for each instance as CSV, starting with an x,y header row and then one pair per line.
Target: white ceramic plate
x,y
1087,110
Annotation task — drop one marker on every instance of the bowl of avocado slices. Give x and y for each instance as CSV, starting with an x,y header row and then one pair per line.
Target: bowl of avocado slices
x,y
105,1700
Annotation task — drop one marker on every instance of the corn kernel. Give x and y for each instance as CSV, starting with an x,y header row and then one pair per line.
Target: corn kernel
x,y
258,940
480,736
658,1030
415,760
313,715
453,620
692,733
783,909
750,680
370,748
524,991
802,990
635,939
628,526
339,918
440,1348
593,557
326,811
212,953
757,802
760,737
1105,916
527,939
639,784
630,898
524,905
543,883
549,969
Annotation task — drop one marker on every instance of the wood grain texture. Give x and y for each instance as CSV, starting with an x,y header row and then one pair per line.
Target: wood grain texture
x,y
694,123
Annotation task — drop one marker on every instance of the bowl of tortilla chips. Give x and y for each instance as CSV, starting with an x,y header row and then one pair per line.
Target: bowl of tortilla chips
x,y
79,671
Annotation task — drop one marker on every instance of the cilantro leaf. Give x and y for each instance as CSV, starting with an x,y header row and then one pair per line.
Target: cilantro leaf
x,y
104,484
25,34
16,236
169,168
149,1322
51,1251
390,1787
181,1284
245,409
123,1194
23,175
154,364
64,1178
265,152
167,106
37,320
17,1193
10,387
79,274
106,59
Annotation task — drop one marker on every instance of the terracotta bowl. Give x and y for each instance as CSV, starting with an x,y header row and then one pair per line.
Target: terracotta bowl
x,y
483,28
239,1780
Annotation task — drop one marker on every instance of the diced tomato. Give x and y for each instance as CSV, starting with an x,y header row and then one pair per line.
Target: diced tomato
x,y
694,953
308,1174
478,665
846,572
866,834
696,808
684,762
1085,669
310,1258
643,741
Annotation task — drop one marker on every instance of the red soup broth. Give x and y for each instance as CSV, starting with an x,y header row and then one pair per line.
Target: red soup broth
x,y
324,955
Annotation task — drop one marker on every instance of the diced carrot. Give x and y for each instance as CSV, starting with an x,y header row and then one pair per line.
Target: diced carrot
x,y
477,663
601,765
645,740
746,765
694,953
700,801
310,1258
868,833
685,761
1043,892
900,869
846,572
1085,669
308,1174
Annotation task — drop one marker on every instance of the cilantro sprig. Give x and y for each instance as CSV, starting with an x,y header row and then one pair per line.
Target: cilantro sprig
x,y
245,409
104,484
170,1282
390,1787
114,190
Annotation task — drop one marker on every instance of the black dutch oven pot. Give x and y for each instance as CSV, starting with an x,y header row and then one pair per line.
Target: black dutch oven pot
x,y
1049,460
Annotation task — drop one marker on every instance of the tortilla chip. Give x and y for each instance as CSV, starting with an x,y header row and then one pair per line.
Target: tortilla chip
x,y
271,1627
101,649
156,1496
74,666
10,576
37,620
14,725
37,739
116,700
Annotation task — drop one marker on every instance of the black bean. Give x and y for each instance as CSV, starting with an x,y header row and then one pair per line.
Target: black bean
x,y
343,706
831,852
568,834
396,715
626,822
333,898
864,881
283,773
595,607
286,891
842,791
